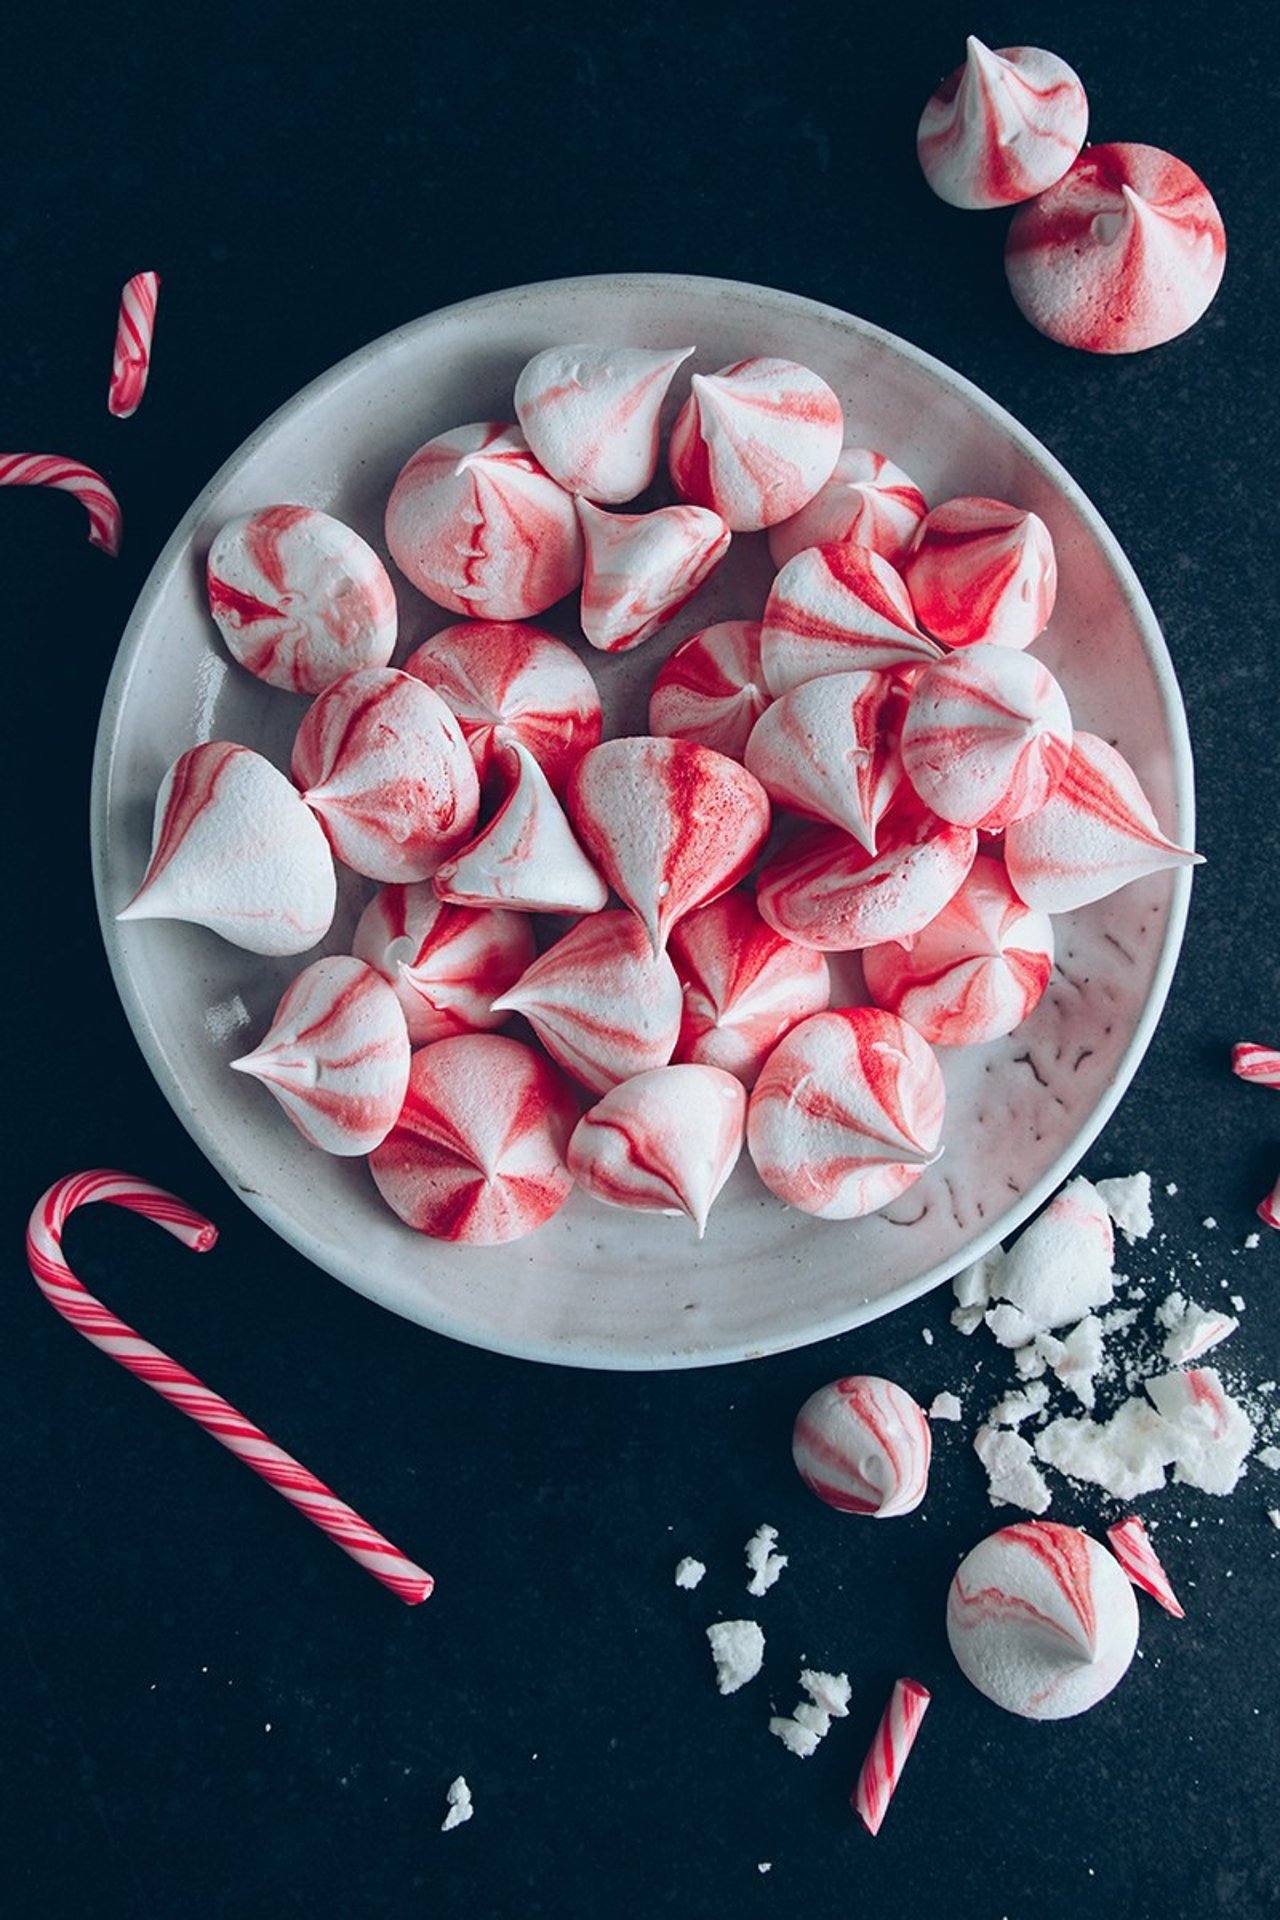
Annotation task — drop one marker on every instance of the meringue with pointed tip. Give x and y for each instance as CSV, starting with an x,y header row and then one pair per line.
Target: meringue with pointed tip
x,y
526,858
641,568
662,1142
987,737
862,1444
447,964
744,986
755,441
829,749
1002,127
867,502
711,689
825,890
591,415
838,609
982,570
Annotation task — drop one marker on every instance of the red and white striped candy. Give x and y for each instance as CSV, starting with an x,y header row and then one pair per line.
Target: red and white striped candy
x,y
887,1755
478,1152
479,528
825,890
1094,834
981,570
744,986
591,415
131,360
603,1004
987,737
863,1445
505,681
299,598
1131,1545
336,1056
838,609
662,1142
1124,253
711,690
69,476
847,1113
526,856
1002,127
975,972
447,964
1249,1061
235,849
867,502
382,761
60,1287
669,824
755,441
1269,1208
829,749
640,568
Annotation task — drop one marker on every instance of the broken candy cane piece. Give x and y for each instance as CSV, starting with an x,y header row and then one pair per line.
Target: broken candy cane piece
x,y
1132,1547
131,361
89,488
1249,1061
1269,1209
887,1754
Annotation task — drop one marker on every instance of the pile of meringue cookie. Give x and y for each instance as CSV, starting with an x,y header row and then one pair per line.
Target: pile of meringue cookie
x,y
876,764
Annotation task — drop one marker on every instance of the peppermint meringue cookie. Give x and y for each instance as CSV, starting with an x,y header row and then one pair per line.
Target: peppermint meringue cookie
x,y
591,415
975,972
299,598
336,1056
825,890
447,964
526,858
755,441
475,523
1095,833
838,609
382,762
237,850
1002,127
1042,1620
987,737
982,570
847,1113
867,502
640,568
744,986
662,1142
478,1152
829,749
862,1444
1125,252
505,681
711,689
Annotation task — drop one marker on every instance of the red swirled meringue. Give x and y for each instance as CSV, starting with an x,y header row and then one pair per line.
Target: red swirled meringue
x,y
862,1444
236,849
479,528
981,570
526,857
591,416
755,441
1124,253
299,598
829,749
1042,1620
669,824
478,1152
987,737
640,568
744,986
1094,834
847,1113
662,1142
867,502
711,690
505,681
838,609
975,972
1002,127
447,964
382,761
336,1056
825,890
603,1004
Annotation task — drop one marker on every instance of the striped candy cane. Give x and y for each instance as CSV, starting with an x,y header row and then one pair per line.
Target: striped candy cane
x,y
89,1317
887,1754
1252,1062
1131,1545
89,488
131,361
1269,1209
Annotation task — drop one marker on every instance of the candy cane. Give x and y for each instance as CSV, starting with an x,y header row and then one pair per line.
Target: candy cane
x,y
1132,1547
1252,1062
1269,1209
131,361
89,1317
89,488
887,1754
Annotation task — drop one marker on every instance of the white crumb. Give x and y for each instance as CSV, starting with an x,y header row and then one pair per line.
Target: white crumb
x,y
1209,1222
737,1647
1017,1407
1273,1515
689,1571
1171,1187
1079,1359
1128,1201
1270,1457
945,1406
966,1320
1190,1329
460,1807
926,1334
972,1285
763,1563
1237,1302
1012,1477
1060,1267
810,1721
1252,1240
1009,1325
764,1866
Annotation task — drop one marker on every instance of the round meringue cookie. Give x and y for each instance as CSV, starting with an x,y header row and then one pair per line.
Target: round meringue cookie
x,y
1042,1620
299,598
447,964
867,502
847,1113
476,525
711,689
838,609
975,972
591,415
641,568
505,681
863,1445
478,1152
824,890
982,571
755,441
526,857
1002,127
662,1142
829,749
987,737
237,850
744,986
1125,252
336,1056
382,762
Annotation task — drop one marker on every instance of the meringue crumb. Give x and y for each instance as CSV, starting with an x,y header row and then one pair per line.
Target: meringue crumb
x,y
1273,1515
810,1720
926,1334
1171,1187
1270,1457
737,1647
689,1571
460,1807
1013,1479
1209,1222
1128,1201
1252,1241
763,1563
1237,1303
945,1406
764,1866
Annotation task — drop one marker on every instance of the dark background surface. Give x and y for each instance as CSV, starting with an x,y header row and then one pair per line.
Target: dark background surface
x,y
209,1711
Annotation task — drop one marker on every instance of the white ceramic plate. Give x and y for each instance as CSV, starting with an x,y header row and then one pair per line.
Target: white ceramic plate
x,y
598,1287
